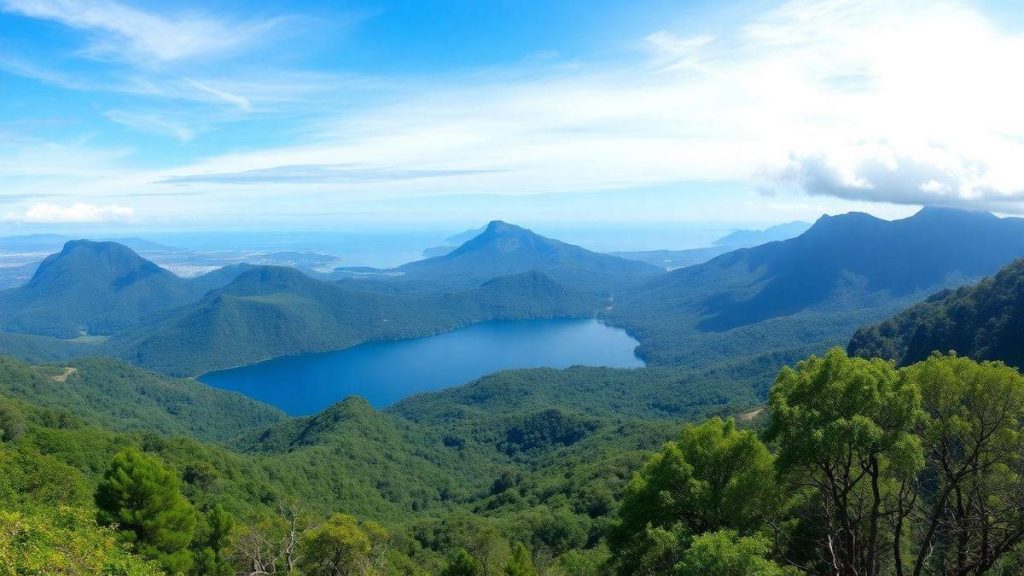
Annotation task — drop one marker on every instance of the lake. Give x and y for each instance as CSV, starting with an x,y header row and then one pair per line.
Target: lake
x,y
386,372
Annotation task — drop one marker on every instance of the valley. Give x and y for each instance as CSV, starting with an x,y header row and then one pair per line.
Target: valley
x,y
517,403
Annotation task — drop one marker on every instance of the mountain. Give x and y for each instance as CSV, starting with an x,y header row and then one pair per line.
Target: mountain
x,y
503,249
984,321
91,288
748,238
100,288
673,259
269,311
816,288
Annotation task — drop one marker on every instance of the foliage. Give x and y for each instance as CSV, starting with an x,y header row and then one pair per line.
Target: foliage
x,y
141,497
725,553
520,563
463,564
974,442
343,546
12,423
63,540
845,429
714,477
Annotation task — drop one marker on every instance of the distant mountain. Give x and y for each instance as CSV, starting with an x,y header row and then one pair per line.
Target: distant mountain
x,y
453,242
984,321
274,311
97,288
843,272
503,249
749,238
673,259
465,236
90,288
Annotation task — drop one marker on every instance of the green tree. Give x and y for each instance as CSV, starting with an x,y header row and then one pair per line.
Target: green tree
x,y
845,431
142,498
463,564
724,553
342,546
211,543
971,511
713,477
12,423
520,563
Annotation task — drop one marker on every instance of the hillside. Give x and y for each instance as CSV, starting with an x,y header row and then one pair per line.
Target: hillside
x,y
504,249
273,311
813,290
984,321
122,397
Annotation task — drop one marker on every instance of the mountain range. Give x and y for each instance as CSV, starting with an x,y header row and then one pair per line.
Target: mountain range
x,y
815,289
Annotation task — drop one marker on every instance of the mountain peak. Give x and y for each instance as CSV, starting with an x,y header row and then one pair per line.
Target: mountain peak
x,y
944,212
498,227
114,261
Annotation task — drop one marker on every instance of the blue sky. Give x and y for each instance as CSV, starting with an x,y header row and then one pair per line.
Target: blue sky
x,y
318,115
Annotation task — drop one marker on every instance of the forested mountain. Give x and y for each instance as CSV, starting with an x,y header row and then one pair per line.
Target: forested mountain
x,y
984,321
97,288
273,311
91,288
503,249
811,290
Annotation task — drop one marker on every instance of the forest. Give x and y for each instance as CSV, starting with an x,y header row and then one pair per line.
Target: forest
x,y
855,467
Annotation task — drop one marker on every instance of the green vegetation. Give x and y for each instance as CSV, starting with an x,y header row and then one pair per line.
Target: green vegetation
x,y
141,498
983,321
866,467
880,471
122,397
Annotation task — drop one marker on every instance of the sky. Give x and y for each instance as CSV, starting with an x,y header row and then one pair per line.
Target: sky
x,y
222,115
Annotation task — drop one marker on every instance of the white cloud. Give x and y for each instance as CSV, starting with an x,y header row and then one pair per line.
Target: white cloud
x,y
152,123
79,212
124,32
856,100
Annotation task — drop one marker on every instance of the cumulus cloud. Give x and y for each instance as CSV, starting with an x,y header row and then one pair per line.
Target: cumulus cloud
x,y
77,213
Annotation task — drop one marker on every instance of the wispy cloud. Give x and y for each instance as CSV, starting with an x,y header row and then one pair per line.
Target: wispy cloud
x,y
844,100
122,32
318,174
152,123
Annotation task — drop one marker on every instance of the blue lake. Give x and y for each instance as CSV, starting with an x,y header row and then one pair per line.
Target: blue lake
x,y
386,372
